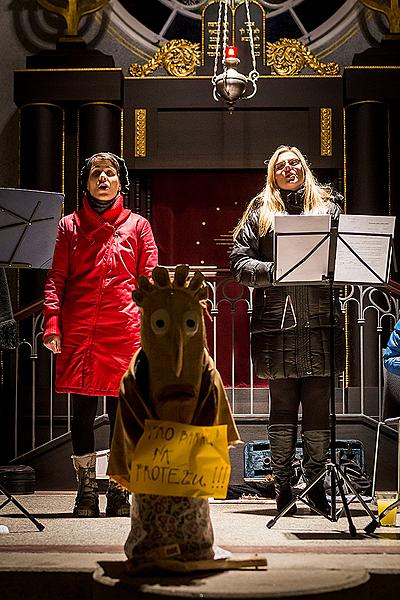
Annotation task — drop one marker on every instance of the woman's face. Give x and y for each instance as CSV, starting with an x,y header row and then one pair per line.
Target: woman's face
x,y
289,173
103,181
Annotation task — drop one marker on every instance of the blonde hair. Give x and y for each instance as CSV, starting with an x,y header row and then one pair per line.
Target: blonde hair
x,y
270,202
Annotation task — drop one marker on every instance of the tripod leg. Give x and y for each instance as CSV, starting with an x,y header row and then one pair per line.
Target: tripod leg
x,y
301,497
370,528
5,503
356,494
376,521
394,504
11,498
39,526
304,496
352,529
283,512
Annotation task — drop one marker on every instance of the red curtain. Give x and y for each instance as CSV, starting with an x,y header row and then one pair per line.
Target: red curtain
x,y
193,215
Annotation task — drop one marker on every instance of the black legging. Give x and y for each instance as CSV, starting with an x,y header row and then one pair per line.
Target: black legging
x,y
313,393
84,409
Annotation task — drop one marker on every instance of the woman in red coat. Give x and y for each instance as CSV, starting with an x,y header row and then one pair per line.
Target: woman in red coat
x,y
90,319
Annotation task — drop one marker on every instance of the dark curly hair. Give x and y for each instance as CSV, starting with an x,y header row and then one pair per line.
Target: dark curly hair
x,y
115,160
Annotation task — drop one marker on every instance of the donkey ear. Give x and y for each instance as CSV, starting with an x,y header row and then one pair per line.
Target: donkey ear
x,y
180,277
202,294
138,297
144,287
161,277
197,281
144,284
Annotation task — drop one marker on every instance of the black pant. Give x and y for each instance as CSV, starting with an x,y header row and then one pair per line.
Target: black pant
x,y
84,409
313,393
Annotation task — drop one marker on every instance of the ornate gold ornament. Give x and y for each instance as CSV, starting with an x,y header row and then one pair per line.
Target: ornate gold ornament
x,y
326,131
392,12
178,57
288,57
140,132
73,12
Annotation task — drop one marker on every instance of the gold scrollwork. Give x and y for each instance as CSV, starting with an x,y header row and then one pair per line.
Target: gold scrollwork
x,y
178,57
289,57
326,131
140,132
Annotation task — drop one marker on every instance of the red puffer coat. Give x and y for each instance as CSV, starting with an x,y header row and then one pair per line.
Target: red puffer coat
x,y
88,296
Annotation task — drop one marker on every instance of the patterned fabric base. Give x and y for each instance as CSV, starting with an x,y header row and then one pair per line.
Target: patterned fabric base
x,y
169,527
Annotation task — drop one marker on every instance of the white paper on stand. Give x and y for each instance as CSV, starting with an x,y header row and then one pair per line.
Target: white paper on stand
x,y
369,237
296,237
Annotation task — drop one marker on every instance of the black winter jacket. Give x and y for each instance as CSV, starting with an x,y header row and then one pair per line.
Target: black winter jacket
x,y
280,349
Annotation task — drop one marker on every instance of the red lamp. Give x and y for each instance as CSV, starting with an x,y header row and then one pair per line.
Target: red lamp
x,y
231,52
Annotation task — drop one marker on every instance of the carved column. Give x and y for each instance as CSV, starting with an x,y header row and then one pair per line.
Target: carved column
x,y
42,147
367,158
367,168
394,162
99,128
41,168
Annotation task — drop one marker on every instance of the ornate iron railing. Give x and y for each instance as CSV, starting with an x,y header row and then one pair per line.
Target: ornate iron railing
x,y
41,415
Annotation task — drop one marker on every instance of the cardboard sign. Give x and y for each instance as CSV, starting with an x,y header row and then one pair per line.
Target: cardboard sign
x,y
174,459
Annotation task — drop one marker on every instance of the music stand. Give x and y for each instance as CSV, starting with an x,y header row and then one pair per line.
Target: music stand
x,y
28,227
11,498
28,230
326,249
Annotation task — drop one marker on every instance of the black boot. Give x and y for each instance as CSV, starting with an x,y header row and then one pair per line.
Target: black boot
x,y
282,440
117,501
315,455
87,499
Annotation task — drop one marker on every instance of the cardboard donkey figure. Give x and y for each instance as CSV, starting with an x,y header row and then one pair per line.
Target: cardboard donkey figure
x,y
173,429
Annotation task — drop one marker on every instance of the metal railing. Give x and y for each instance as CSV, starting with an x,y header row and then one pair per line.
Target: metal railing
x,y
42,415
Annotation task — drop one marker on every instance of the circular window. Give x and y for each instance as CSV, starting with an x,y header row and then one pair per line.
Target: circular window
x,y
154,22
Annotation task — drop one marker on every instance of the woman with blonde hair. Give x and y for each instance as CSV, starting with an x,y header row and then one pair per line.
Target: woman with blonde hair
x,y
290,348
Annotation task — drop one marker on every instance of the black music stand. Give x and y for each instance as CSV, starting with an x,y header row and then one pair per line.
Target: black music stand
x,y
28,230
28,227
328,243
11,498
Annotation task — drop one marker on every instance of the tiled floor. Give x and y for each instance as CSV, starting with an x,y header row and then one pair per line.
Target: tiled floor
x,y
305,542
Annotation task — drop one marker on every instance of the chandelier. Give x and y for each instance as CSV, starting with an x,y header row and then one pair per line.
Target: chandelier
x,y
230,85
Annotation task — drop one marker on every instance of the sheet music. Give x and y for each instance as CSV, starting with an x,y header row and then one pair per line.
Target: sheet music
x,y
369,236
291,249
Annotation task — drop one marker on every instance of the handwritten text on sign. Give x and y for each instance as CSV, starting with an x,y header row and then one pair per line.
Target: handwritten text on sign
x,y
174,459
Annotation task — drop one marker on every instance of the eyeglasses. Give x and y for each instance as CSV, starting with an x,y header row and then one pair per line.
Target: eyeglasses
x,y
292,162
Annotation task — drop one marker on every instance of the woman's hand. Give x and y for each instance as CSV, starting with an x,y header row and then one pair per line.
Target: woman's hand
x,y
53,343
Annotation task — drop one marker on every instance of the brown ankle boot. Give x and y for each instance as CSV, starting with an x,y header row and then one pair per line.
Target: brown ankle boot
x,y
117,501
87,499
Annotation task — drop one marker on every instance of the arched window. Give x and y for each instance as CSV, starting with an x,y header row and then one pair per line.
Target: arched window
x,y
311,21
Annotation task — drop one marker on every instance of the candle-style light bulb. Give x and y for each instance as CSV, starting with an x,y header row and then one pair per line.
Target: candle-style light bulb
x,y
231,52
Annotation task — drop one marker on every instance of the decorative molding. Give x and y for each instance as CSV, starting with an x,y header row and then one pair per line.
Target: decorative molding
x,y
288,57
178,57
140,132
326,131
73,12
